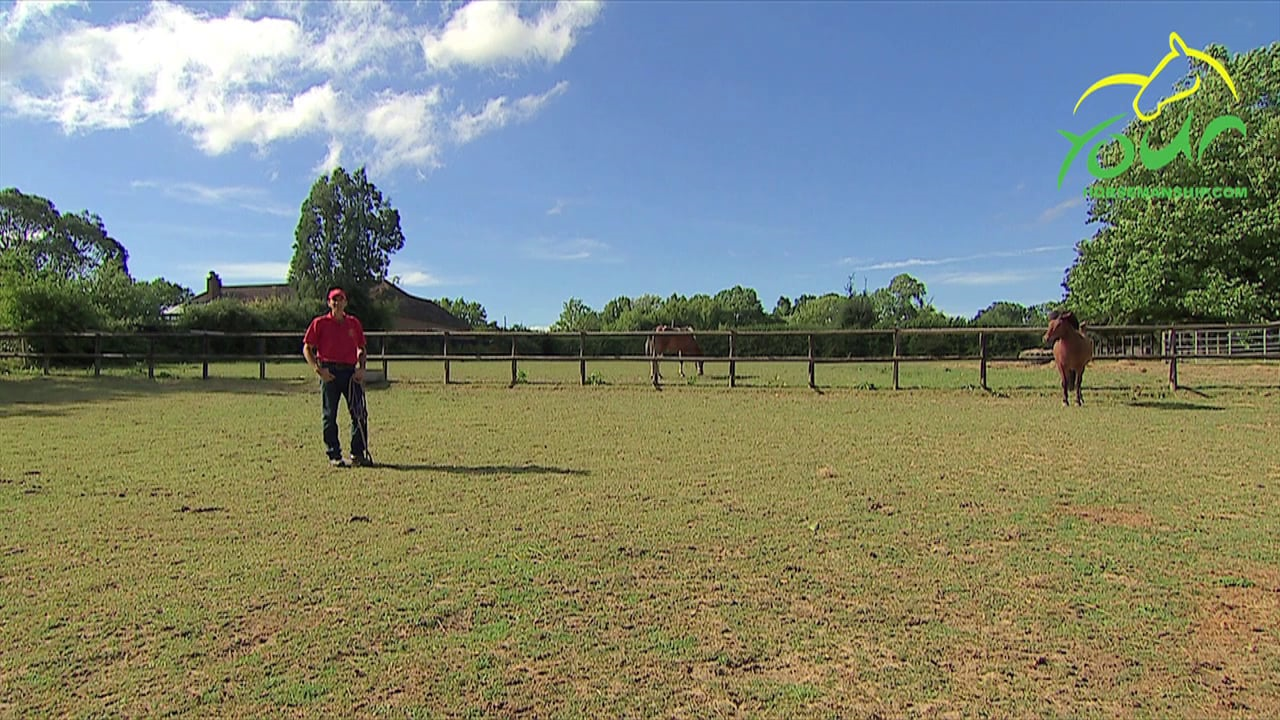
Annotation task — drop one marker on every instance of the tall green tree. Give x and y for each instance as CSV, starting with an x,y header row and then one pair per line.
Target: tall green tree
x,y
346,235
38,238
1191,259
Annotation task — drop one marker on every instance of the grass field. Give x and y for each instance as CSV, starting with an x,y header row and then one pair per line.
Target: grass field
x,y
181,548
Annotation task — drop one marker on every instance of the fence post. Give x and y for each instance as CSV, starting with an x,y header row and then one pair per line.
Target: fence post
x,y
386,370
262,358
97,354
446,358
1173,359
582,353
205,367
982,349
811,361
47,347
151,358
513,361
653,369
733,373
896,349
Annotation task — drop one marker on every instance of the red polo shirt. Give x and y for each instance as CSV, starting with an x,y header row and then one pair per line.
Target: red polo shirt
x,y
335,340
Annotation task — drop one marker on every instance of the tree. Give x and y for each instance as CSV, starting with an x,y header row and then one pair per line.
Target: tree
x,y
472,313
1009,314
38,238
346,235
859,312
1191,259
614,310
900,302
127,304
826,311
741,306
576,316
782,308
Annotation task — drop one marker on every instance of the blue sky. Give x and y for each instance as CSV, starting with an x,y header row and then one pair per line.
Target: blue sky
x,y
538,152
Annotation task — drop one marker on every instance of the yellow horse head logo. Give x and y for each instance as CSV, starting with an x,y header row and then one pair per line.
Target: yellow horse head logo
x,y
1177,48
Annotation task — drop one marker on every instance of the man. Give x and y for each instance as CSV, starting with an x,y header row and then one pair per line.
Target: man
x,y
334,347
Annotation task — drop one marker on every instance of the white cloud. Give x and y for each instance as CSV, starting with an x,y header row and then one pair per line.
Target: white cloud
x,y
493,33
349,73
418,278
498,113
25,12
926,262
997,277
413,276
576,249
251,199
1056,211
242,272
557,208
332,159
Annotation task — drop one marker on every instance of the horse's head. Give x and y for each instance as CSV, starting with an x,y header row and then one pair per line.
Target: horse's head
x,y
1059,324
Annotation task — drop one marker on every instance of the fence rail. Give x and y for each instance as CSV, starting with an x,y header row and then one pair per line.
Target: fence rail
x,y
892,345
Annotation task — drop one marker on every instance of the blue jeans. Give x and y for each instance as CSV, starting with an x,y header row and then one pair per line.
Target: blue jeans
x,y
332,392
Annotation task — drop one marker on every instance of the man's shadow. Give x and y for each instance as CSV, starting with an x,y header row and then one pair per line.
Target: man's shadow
x,y
482,469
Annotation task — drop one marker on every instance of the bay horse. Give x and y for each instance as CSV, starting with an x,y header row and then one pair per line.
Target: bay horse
x,y
1072,351
661,344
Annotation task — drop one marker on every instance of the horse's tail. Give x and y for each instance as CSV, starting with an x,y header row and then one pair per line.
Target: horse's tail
x,y
648,346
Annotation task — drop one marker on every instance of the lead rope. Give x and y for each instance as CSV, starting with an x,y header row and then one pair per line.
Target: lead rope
x,y
360,410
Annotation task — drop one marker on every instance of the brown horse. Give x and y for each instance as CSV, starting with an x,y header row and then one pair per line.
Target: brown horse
x,y
1072,351
661,344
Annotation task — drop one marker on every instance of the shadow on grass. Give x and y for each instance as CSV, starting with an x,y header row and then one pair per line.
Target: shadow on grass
x,y
42,396
483,469
1171,405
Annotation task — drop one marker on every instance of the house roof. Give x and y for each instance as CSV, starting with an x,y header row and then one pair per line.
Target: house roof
x,y
420,312
247,293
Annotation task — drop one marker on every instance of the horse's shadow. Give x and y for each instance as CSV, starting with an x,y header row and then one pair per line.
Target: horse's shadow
x,y
482,469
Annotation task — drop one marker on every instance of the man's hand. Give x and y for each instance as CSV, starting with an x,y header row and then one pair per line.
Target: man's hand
x,y
359,375
324,373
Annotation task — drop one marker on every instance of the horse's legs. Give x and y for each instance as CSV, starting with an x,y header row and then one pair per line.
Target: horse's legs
x,y
699,367
1079,382
1066,385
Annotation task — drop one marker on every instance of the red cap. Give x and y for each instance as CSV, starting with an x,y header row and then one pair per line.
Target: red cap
x,y
337,292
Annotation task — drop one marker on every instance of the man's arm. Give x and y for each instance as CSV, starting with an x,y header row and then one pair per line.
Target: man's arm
x,y
309,352
362,354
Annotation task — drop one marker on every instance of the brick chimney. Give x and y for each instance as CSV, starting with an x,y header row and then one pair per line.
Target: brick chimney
x,y
214,287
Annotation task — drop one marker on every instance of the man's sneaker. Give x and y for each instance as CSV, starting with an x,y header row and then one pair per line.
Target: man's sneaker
x,y
337,462
361,461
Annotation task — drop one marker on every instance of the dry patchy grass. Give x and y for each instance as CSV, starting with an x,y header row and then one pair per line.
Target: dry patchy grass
x,y
181,548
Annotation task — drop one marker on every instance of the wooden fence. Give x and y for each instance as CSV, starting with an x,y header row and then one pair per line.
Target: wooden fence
x,y
1167,343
